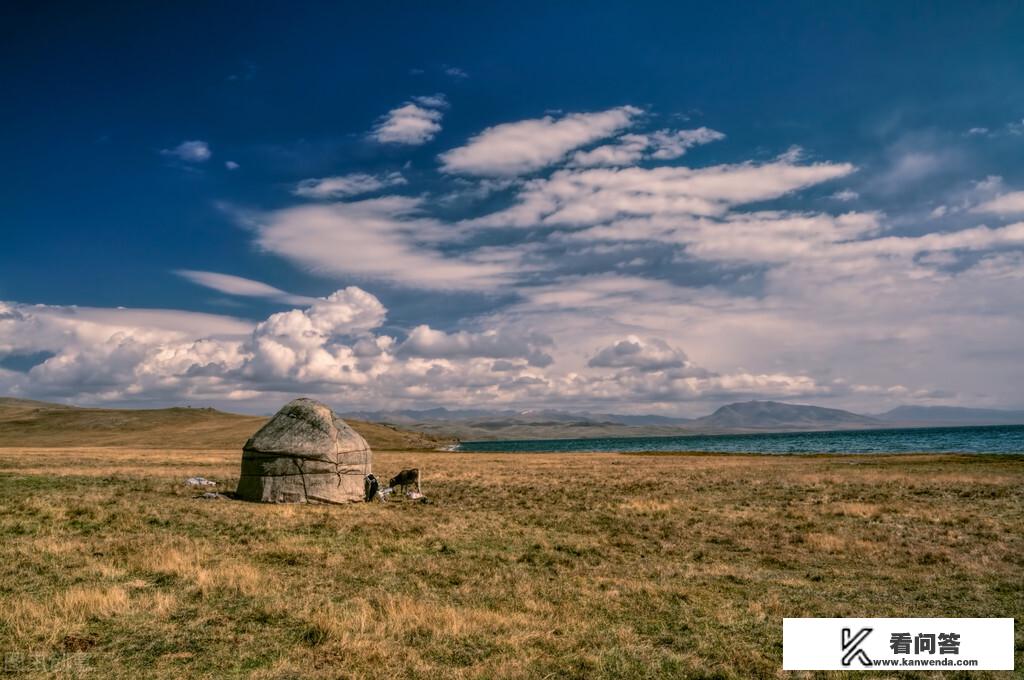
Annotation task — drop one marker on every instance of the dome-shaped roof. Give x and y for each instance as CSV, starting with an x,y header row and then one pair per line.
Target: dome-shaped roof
x,y
308,429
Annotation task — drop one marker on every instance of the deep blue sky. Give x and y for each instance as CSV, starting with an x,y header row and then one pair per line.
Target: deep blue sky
x,y
93,214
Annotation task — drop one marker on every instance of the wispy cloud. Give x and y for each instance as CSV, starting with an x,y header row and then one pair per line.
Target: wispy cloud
x,y
190,151
628,150
669,144
631,148
343,186
383,238
237,285
528,145
585,197
845,196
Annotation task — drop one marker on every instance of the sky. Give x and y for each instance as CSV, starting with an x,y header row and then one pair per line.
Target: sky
x,y
613,207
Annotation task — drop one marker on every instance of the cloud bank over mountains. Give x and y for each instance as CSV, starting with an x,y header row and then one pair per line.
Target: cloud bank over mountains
x,y
614,274
333,347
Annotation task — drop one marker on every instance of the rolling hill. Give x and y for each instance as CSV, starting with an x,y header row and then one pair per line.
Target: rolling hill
x,y
25,423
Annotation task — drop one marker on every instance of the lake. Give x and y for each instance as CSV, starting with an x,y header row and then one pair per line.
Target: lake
x,y
975,439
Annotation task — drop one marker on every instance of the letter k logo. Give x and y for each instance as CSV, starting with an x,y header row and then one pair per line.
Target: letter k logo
x,y
851,646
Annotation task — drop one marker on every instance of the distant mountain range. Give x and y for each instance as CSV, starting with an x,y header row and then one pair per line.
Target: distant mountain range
x,y
32,423
952,415
476,424
759,416
749,416
531,415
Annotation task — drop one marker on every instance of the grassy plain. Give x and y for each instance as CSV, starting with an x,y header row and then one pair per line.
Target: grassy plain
x,y
524,566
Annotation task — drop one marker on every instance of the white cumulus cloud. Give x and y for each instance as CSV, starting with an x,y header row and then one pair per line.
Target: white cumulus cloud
x,y
414,123
644,354
424,341
1006,204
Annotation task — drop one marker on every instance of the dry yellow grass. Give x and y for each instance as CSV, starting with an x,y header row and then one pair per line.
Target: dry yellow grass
x,y
525,566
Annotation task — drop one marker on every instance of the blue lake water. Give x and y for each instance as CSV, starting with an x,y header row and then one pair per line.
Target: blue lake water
x,y
983,439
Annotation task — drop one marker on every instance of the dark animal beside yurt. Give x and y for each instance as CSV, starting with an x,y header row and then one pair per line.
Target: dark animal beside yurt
x,y
406,478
